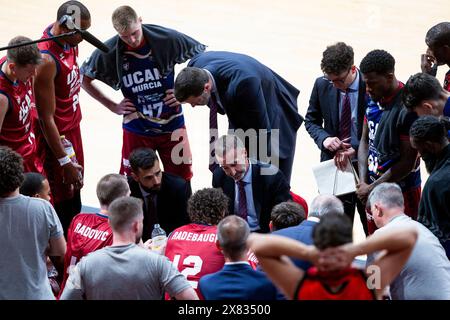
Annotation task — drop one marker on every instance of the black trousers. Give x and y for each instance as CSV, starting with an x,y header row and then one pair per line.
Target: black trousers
x,y
350,201
68,209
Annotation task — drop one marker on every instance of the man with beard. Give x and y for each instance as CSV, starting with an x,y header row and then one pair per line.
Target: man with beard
x,y
253,187
385,153
429,136
126,271
164,195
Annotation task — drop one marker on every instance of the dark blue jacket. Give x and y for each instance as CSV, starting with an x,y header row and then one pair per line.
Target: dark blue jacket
x,y
322,118
302,233
237,282
253,96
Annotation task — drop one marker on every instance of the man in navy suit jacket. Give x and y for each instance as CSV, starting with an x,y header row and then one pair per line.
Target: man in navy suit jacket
x,y
265,185
237,280
320,206
249,93
326,109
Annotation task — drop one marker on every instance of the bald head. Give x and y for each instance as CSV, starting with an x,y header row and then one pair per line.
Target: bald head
x,y
232,234
325,203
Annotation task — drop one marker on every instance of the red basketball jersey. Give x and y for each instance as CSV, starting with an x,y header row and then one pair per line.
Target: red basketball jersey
x,y
447,81
67,82
192,249
87,232
348,284
17,128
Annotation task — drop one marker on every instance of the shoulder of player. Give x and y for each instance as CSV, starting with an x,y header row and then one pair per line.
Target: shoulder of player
x,y
48,63
4,101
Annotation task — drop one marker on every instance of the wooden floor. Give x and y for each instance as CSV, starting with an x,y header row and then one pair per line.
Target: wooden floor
x,y
289,36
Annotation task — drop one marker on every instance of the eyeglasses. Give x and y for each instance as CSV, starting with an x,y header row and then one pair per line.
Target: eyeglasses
x,y
338,80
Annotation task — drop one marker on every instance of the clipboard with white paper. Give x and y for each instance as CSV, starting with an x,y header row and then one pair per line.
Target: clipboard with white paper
x,y
331,180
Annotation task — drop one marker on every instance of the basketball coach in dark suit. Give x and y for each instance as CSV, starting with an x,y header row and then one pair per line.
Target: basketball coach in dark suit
x,y
164,195
237,280
250,94
253,187
336,113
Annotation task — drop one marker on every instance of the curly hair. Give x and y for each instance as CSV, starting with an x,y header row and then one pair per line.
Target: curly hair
x,y
287,214
337,58
430,128
333,230
420,87
11,170
438,35
208,206
378,61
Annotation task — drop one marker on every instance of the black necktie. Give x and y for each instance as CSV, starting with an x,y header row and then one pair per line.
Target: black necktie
x,y
242,200
212,130
150,216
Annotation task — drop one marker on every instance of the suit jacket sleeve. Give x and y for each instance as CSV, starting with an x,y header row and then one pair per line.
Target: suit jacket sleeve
x,y
281,189
186,192
314,118
217,179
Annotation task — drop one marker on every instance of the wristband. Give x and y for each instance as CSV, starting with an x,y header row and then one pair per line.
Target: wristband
x,y
64,160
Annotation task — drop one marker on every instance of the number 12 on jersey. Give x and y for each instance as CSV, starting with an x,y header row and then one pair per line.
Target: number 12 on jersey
x,y
192,265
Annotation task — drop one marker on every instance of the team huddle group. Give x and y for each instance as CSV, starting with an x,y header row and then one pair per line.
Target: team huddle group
x,y
218,245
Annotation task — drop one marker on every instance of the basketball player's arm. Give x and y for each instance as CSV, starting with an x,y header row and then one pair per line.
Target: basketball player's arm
x,y
273,251
187,294
406,164
44,89
396,245
4,104
123,107
363,154
56,252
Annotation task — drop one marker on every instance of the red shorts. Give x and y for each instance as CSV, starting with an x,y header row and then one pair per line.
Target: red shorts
x,y
33,163
411,199
60,191
163,144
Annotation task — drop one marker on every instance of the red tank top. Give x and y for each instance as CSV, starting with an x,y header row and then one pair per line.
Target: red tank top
x,y
348,284
17,128
67,82
447,81
192,250
87,232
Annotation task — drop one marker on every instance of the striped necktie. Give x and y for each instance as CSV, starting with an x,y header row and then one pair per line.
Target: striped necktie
x,y
345,124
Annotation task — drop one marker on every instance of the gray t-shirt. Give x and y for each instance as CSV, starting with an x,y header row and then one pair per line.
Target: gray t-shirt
x,y
26,226
126,272
426,275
